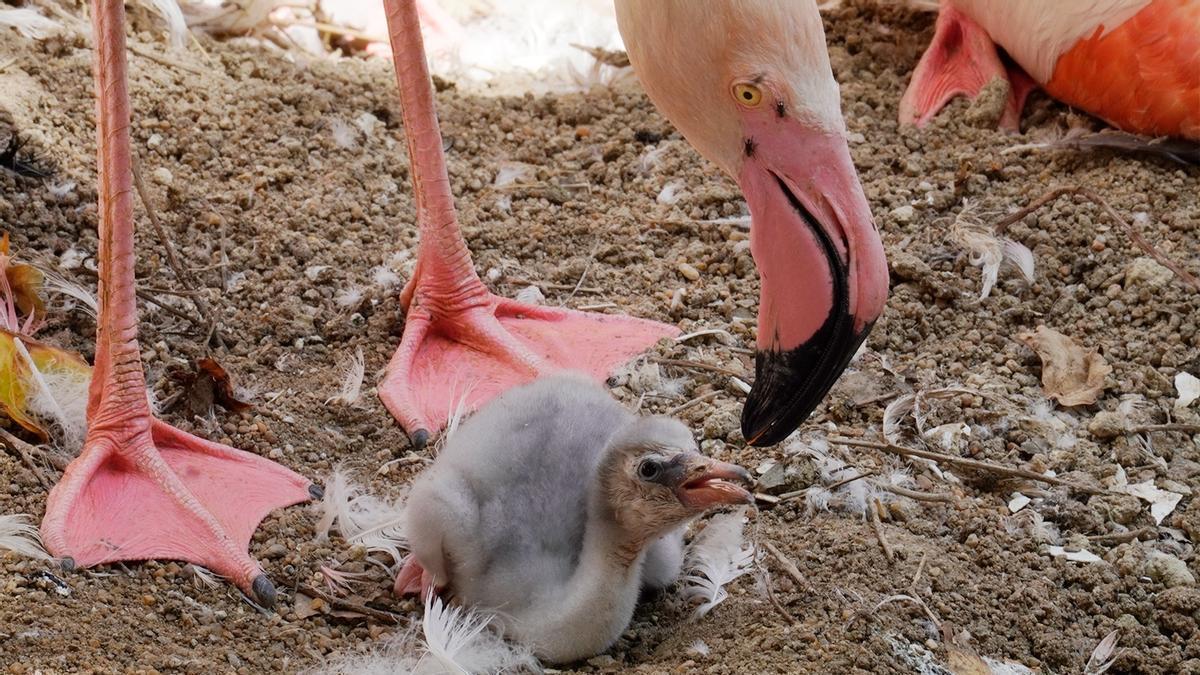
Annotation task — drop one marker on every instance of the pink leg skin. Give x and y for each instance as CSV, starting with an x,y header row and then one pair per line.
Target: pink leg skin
x,y
462,345
961,60
141,489
414,580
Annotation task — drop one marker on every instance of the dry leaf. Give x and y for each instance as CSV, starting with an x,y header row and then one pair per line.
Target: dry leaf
x,y
1070,374
961,658
1102,656
19,357
304,606
209,383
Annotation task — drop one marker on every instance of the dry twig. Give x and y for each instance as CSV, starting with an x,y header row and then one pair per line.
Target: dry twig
x,y
873,510
699,399
26,452
785,563
181,273
695,365
962,461
348,606
1184,428
1135,236
916,494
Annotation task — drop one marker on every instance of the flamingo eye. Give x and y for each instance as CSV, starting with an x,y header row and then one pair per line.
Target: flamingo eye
x,y
649,470
747,94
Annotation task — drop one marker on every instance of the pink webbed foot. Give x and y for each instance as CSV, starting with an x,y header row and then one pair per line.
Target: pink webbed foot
x,y
458,362
413,579
961,60
161,493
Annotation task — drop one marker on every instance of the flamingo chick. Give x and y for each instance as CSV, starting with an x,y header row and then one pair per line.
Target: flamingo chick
x,y
750,86
1133,63
553,507
140,488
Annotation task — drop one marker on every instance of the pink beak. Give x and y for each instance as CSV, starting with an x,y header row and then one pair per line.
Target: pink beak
x,y
821,261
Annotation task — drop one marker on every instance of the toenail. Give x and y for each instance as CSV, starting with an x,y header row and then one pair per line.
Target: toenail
x,y
419,438
316,491
264,591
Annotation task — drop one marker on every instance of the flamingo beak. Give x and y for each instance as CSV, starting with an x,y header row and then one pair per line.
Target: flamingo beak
x,y
822,267
701,483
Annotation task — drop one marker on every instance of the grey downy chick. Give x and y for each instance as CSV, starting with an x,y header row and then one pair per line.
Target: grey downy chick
x,y
553,506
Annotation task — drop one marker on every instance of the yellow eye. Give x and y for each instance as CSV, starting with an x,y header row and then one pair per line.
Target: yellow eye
x,y
747,94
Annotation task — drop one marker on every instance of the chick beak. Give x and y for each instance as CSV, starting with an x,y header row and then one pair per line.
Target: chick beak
x,y
705,483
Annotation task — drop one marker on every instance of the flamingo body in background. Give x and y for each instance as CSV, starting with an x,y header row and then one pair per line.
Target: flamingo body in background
x,y
1133,63
750,86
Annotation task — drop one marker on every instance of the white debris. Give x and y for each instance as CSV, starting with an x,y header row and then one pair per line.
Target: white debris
x,y
531,295
511,173
1074,556
671,192
1188,387
1162,502
1017,502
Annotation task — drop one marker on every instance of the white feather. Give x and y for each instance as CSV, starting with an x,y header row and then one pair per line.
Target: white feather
x,y
348,297
53,282
671,192
987,251
344,135
513,172
176,26
18,535
717,556
452,640
61,398
384,278
362,518
29,23
352,380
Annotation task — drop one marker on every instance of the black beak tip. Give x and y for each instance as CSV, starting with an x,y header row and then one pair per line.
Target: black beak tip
x,y
789,385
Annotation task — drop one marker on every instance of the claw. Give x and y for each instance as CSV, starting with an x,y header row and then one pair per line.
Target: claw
x,y
264,591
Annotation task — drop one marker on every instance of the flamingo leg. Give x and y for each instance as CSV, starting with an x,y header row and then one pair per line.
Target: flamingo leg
x,y
961,60
141,489
462,345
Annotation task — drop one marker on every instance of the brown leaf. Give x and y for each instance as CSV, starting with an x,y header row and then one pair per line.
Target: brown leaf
x,y
961,658
209,384
305,606
1070,374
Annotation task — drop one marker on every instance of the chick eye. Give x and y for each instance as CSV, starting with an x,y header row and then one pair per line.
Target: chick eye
x,y
649,469
747,94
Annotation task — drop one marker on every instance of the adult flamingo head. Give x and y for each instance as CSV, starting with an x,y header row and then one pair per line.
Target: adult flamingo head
x,y
750,86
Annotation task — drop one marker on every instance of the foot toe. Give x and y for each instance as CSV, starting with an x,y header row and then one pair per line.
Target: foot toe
x,y
419,438
264,591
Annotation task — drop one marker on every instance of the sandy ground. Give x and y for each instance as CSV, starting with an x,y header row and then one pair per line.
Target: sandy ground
x,y
285,187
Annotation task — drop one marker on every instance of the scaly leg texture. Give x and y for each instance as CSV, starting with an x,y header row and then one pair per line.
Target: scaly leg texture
x,y
141,489
462,345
